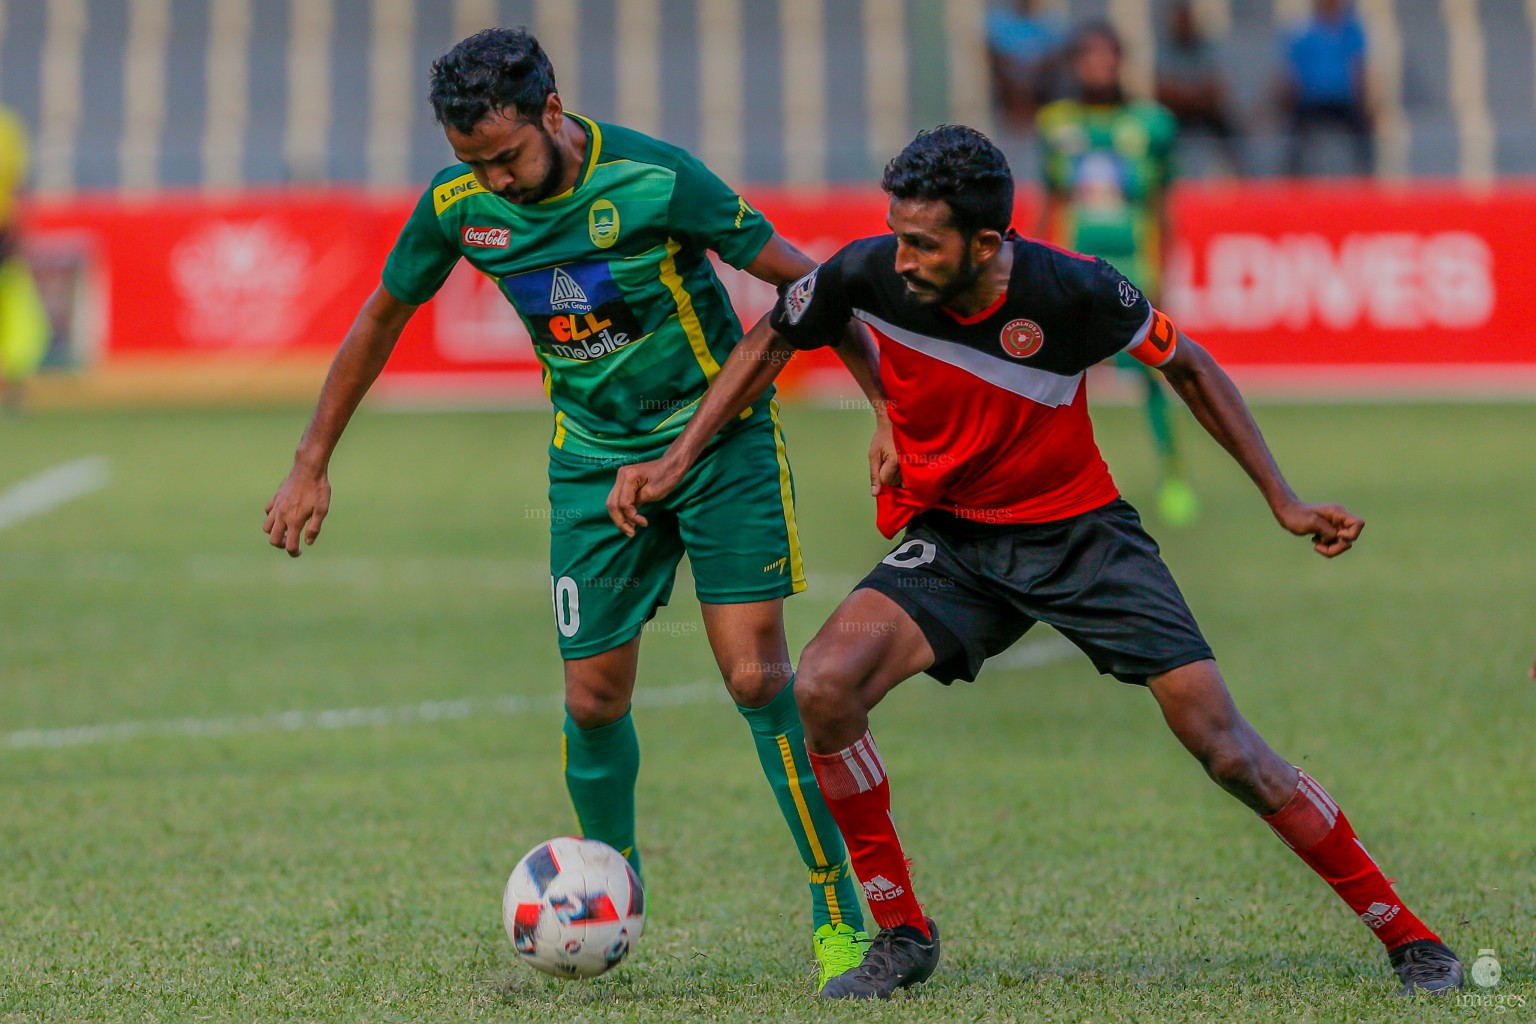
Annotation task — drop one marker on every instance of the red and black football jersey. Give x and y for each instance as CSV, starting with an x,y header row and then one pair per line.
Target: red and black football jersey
x,y
990,411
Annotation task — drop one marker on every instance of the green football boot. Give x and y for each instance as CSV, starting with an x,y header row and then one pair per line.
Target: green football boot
x,y
839,948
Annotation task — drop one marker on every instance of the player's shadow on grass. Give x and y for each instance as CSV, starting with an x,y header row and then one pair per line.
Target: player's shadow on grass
x,y
1271,973
1273,979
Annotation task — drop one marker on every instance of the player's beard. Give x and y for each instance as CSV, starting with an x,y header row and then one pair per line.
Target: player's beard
x,y
551,180
966,275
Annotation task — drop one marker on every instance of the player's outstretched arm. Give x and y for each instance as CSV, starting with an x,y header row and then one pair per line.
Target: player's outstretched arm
x,y
301,503
1214,399
746,374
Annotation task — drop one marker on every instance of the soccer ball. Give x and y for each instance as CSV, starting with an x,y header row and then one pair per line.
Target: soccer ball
x,y
573,907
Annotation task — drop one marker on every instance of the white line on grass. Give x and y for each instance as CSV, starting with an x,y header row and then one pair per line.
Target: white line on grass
x,y
52,488
1038,654
425,713
317,569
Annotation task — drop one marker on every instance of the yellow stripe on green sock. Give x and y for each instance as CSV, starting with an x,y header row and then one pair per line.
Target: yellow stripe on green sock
x,y
788,754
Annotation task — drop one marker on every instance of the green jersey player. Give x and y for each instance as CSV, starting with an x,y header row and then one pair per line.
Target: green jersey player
x,y
1107,162
599,237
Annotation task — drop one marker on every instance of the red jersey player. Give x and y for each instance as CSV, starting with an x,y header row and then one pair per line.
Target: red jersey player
x,y
985,454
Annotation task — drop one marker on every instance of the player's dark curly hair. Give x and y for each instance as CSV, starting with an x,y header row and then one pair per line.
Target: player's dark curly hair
x,y
961,166
497,69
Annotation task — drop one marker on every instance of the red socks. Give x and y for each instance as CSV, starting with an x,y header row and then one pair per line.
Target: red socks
x,y
853,784
1312,825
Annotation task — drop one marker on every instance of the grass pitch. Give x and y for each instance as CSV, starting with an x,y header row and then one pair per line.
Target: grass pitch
x,y
245,848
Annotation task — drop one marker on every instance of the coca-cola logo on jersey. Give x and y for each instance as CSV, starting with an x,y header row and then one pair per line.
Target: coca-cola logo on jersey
x,y
488,238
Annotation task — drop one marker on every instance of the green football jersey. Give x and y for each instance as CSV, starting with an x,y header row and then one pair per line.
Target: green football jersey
x,y
612,280
1112,164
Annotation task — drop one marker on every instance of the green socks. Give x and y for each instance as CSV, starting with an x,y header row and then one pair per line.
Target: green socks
x,y
600,769
780,743
601,766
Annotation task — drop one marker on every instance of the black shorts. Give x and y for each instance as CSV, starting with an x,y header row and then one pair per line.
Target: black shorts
x,y
1097,578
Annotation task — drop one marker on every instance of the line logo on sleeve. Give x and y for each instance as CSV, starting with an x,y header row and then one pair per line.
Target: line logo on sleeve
x,y
488,238
1021,338
1128,294
798,298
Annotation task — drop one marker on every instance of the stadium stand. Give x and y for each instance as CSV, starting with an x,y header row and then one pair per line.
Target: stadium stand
x,y
146,94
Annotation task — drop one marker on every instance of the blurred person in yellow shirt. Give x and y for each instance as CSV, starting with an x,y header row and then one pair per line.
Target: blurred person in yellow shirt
x,y
23,319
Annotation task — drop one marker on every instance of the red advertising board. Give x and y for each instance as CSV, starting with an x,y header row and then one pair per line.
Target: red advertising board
x,y
1327,282
1333,277
253,274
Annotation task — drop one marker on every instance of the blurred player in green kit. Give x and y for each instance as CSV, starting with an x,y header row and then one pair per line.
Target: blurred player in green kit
x,y
599,238
24,325
1107,162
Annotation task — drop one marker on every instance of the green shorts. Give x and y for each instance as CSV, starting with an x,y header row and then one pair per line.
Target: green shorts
x,y
733,516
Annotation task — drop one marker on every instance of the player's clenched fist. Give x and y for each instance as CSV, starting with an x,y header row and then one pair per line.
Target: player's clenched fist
x,y
638,484
298,507
1333,528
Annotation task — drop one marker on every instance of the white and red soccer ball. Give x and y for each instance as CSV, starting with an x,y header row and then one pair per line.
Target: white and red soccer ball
x,y
573,907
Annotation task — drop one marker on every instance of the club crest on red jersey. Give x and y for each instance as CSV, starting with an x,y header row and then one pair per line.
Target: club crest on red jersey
x,y
1021,338
488,238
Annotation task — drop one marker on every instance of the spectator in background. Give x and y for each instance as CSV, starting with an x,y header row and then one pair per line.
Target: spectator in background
x,y
1024,44
1108,160
1190,83
1325,83
23,320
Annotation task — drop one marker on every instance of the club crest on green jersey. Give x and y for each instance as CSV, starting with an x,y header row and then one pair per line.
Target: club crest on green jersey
x,y
603,224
